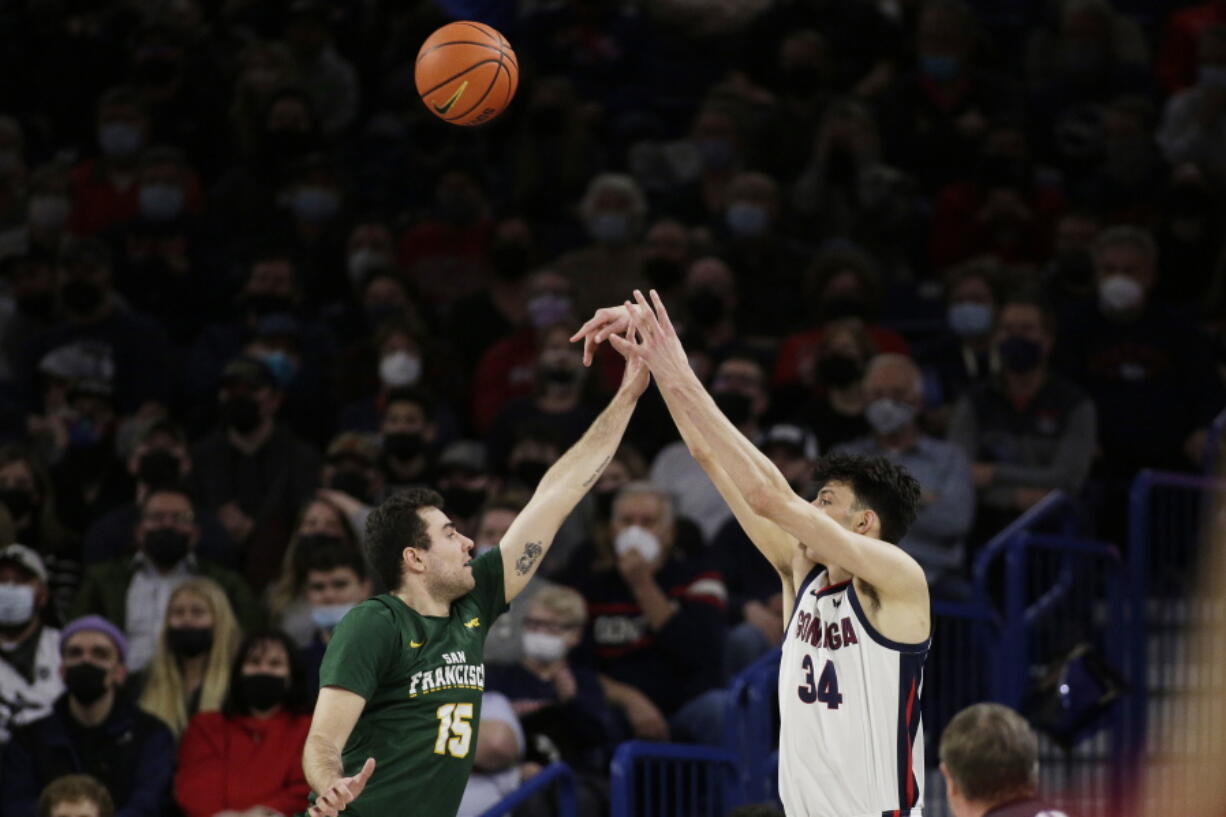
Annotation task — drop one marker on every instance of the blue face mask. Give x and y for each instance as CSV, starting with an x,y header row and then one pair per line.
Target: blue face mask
x,y
1213,76
327,616
609,228
161,202
747,219
717,152
940,67
282,366
120,139
968,319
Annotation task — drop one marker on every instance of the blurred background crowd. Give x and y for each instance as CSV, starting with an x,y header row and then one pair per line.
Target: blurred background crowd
x,y
250,285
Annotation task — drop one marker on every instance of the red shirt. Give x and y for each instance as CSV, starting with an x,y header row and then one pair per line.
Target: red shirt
x,y
236,763
1177,55
97,204
798,350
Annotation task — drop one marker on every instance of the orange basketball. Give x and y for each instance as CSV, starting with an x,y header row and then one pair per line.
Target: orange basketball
x,y
466,73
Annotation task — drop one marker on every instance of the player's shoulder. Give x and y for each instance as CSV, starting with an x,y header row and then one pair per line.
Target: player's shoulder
x,y
377,612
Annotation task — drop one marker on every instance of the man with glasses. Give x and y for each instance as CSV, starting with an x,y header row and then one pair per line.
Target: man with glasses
x,y
135,589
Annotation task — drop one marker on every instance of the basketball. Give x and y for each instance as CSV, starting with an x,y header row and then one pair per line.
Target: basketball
x,y
466,73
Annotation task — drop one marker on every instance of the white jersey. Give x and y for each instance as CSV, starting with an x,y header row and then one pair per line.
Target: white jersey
x,y
23,699
850,741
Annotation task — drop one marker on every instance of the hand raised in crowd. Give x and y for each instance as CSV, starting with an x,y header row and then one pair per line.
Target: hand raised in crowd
x,y
633,567
564,683
342,792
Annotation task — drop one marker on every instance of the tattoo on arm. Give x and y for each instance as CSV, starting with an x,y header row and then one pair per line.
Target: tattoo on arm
x,y
596,474
532,552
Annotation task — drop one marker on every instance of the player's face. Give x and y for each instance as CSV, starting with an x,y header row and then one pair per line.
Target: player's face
x,y
836,500
449,559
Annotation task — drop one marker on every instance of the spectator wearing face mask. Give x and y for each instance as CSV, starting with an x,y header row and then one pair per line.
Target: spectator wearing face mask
x,y
136,589
333,580
835,406
465,481
29,496
445,253
739,388
508,369
191,662
893,394
656,621
559,401
753,244
717,140
501,306
30,679
323,524
841,285
26,310
246,759
93,313
48,213
253,473
160,459
614,213
1184,29
93,729
408,430
351,468
104,188
561,704
755,605
711,304
1028,431
89,477
963,355
1194,122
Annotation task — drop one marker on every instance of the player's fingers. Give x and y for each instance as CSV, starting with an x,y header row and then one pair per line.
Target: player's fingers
x,y
662,313
625,348
653,322
368,768
589,349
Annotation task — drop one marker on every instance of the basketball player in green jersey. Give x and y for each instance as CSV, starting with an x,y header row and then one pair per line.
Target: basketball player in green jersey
x,y
395,727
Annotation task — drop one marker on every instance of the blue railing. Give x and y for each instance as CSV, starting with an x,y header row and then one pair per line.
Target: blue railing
x,y
751,730
665,780
557,776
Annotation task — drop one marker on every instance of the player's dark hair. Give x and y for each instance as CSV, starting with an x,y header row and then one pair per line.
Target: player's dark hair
x,y
879,485
395,525
298,700
991,753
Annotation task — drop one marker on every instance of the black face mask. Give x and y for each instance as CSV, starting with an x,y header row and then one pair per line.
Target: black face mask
x,y
529,472
86,682
166,547
19,501
735,406
353,483
284,146
803,81
559,375
40,305
241,413
263,692
82,297
705,307
1019,354
158,469
463,502
189,642
403,445
509,260
663,273
842,167
844,306
268,303
838,371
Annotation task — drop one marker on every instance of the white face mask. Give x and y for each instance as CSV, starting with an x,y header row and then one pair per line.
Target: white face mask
x,y
399,369
1120,293
16,604
637,538
887,416
327,616
544,646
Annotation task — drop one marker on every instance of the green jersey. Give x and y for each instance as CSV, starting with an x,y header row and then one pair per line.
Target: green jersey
x,y
422,678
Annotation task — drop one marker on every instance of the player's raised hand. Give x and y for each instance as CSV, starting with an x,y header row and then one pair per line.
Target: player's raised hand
x,y
636,376
603,323
658,345
341,793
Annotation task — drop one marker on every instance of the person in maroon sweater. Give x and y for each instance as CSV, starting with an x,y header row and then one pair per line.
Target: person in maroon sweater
x,y
246,760
990,762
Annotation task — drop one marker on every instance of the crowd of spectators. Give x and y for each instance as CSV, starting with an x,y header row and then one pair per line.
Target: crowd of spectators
x,y
250,285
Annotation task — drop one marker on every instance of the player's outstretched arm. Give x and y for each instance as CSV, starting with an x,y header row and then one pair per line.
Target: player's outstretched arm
x,y
890,570
336,713
563,485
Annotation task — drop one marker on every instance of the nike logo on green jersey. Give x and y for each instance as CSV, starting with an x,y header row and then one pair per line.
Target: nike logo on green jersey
x,y
475,621
416,644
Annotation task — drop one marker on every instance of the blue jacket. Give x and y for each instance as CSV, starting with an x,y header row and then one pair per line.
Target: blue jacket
x,y
134,757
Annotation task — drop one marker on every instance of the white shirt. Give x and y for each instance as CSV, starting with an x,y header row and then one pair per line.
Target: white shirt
x,y
697,498
23,701
148,596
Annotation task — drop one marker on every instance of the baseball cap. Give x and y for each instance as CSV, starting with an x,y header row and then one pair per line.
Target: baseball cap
x,y
800,440
463,454
26,557
249,370
97,624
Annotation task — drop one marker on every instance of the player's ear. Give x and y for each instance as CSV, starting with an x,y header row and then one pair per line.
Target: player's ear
x,y
414,558
951,786
867,523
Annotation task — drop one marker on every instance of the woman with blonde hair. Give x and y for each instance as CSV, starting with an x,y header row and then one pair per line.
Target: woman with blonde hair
x,y
191,665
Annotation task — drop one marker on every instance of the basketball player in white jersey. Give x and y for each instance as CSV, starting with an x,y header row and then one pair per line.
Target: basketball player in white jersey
x,y
850,680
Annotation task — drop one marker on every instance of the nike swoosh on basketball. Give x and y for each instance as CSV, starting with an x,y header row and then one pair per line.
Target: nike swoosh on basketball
x,y
450,103
416,644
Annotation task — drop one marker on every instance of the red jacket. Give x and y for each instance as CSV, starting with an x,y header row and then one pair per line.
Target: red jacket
x,y
236,763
